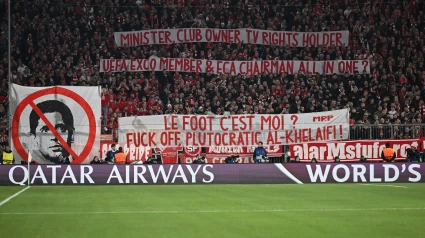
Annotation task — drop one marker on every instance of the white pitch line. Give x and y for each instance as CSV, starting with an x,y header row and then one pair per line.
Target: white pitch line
x,y
14,195
218,211
383,185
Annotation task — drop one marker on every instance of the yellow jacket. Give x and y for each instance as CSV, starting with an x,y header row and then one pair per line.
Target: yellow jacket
x,y
8,157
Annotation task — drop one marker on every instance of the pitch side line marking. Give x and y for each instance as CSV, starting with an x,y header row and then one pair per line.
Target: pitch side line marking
x,y
220,211
287,173
383,185
14,195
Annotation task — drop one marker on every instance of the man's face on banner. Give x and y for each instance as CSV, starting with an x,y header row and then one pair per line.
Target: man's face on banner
x,y
48,144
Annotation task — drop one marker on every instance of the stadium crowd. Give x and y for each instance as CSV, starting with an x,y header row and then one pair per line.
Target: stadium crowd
x,y
60,42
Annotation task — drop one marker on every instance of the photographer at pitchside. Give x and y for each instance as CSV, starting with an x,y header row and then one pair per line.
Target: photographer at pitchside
x,y
413,155
199,160
232,159
151,160
260,154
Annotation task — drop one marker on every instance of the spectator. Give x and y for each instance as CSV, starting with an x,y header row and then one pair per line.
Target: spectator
x,y
363,159
105,104
199,160
96,160
296,159
110,156
66,161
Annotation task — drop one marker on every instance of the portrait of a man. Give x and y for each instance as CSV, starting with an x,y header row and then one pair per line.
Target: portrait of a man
x,y
45,143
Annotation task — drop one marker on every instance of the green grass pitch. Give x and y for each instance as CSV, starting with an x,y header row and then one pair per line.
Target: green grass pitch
x,y
318,210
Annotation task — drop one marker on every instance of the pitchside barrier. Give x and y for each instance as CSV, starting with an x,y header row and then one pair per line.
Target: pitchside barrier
x,y
362,142
347,151
212,174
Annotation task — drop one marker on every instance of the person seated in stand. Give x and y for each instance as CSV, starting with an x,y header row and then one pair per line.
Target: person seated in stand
x,y
337,160
296,159
26,162
151,160
61,159
314,160
96,160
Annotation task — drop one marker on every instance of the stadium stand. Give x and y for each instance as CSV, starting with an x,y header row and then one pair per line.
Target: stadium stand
x,y
62,41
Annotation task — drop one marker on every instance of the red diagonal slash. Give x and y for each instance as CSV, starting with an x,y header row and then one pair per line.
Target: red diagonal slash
x,y
53,130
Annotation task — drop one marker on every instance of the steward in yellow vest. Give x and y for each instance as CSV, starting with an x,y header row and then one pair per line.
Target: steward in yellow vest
x,y
7,156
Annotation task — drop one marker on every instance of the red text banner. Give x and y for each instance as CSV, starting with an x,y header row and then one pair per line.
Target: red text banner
x,y
253,67
139,153
232,130
234,36
272,150
350,150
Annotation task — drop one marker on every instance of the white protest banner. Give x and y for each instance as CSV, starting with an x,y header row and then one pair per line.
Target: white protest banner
x,y
232,130
235,67
234,36
55,123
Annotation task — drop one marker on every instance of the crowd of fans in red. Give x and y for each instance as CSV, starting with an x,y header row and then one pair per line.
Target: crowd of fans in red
x,y
60,42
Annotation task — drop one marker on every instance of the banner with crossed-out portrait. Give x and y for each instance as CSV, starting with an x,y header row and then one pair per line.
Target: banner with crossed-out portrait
x,y
57,124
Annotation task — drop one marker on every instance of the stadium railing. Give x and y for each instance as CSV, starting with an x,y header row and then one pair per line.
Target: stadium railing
x,y
386,131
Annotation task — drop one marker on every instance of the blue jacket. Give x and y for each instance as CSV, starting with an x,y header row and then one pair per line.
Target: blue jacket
x,y
259,151
111,155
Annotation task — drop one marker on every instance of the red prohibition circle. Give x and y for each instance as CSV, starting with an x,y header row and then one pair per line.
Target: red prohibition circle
x,y
67,93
